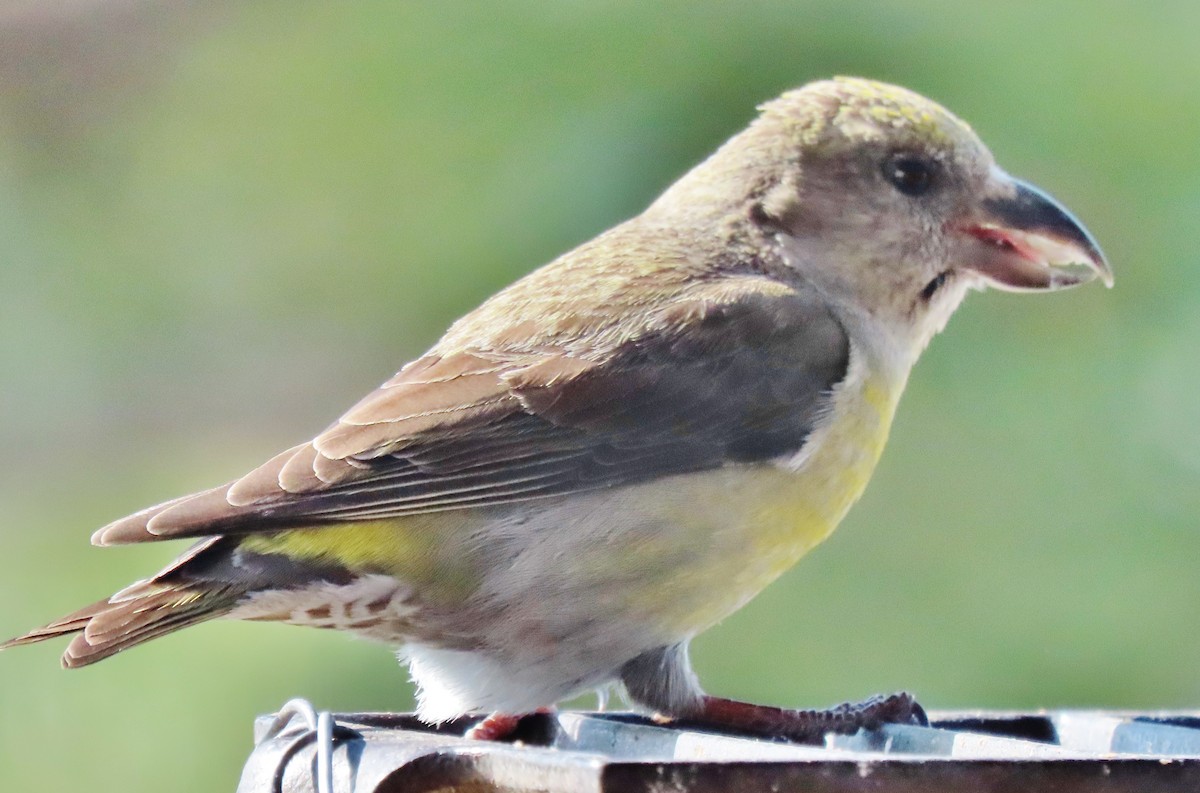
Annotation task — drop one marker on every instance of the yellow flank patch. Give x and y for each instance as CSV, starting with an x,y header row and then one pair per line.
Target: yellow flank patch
x,y
368,545
424,551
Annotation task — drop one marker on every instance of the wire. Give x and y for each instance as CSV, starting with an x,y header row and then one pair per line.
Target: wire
x,y
320,728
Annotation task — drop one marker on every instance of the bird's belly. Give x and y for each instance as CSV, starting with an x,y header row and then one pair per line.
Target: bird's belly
x,y
667,559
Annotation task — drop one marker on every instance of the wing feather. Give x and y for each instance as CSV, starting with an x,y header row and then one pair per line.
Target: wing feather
x,y
737,370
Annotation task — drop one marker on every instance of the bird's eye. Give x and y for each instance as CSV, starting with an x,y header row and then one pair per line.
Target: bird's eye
x,y
911,175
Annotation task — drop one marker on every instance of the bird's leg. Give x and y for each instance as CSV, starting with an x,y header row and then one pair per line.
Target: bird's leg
x,y
806,726
498,726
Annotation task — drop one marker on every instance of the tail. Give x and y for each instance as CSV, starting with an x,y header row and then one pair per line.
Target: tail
x,y
144,610
136,614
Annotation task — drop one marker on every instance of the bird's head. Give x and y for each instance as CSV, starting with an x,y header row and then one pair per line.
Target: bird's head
x,y
894,208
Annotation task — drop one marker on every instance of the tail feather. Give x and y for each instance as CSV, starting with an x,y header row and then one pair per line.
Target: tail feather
x,y
72,623
208,580
133,616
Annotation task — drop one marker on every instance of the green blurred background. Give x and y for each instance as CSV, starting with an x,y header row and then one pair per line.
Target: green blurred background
x,y
221,223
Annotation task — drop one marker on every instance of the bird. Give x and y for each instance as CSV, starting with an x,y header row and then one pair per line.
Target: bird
x,y
623,447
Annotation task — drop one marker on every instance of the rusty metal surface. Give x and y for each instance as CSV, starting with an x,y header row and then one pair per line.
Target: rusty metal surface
x,y
1058,751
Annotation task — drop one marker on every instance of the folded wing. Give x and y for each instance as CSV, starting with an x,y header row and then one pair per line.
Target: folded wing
x,y
736,370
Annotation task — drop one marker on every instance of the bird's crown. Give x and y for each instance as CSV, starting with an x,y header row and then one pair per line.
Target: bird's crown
x,y
859,110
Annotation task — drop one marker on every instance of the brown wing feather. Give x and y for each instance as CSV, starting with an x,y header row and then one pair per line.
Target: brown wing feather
x,y
455,392
733,371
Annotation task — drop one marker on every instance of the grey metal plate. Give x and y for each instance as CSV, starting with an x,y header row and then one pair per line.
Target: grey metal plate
x,y
1059,751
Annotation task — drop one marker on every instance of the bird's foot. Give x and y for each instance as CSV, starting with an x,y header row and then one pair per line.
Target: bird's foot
x,y
495,727
498,726
808,726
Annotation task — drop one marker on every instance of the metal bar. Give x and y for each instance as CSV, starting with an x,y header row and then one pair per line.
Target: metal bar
x,y
1062,751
